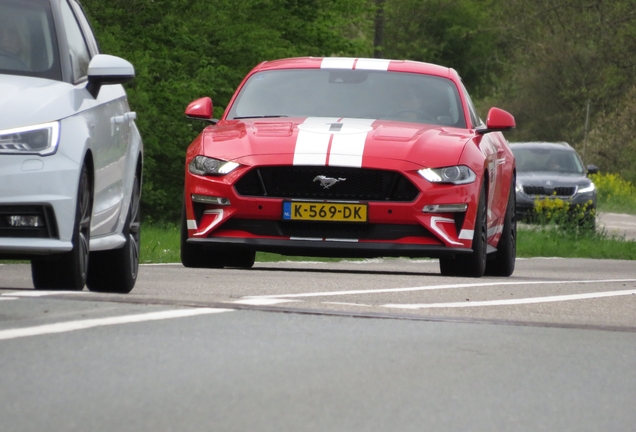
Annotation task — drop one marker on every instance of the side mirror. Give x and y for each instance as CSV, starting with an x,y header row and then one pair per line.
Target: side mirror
x,y
498,121
200,109
592,169
106,69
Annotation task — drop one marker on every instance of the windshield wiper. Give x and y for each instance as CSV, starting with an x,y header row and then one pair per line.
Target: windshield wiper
x,y
259,116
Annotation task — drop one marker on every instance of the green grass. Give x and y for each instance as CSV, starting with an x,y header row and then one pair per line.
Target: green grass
x,y
161,245
552,242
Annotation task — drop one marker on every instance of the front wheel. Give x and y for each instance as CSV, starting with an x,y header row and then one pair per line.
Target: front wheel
x,y
503,263
69,270
115,271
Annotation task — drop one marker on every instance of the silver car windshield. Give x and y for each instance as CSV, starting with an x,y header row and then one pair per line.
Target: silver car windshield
x,y
27,39
338,93
547,160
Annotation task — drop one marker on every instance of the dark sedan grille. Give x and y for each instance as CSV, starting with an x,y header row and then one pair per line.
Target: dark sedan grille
x,y
47,227
353,184
566,191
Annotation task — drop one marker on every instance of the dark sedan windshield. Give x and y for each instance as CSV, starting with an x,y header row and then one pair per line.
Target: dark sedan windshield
x,y
547,160
27,39
350,93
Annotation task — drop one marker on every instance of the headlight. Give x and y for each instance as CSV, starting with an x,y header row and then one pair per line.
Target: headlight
x,y
518,187
586,189
40,139
459,174
202,165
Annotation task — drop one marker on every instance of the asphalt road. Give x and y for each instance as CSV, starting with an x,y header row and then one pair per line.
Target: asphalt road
x,y
365,345
622,225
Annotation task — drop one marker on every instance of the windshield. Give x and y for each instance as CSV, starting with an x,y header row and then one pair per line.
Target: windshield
x,y
350,93
547,160
27,39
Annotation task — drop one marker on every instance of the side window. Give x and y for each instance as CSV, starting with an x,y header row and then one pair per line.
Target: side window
x,y
80,56
474,118
88,31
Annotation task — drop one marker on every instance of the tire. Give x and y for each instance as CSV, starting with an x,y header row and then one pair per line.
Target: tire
x,y
473,264
503,263
115,271
194,256
241,259
69,270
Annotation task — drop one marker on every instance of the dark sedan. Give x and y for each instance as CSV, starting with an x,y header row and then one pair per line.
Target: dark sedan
x,y
551,170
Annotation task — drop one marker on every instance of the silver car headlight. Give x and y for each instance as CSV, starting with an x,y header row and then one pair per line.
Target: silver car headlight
x,y
202,165
459,174
586,189
39,139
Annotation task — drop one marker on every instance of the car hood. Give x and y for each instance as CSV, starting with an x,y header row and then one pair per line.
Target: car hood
x,y
27,101
552,179
337,142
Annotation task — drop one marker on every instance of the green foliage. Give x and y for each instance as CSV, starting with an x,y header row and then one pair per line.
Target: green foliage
x,y
186,49
454,33
561,56
559,214
615,193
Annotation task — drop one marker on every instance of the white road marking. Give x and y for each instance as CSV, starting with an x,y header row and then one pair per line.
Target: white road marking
x,y
348,304
510,302
8,298
99,322
35,293
262,302
436,287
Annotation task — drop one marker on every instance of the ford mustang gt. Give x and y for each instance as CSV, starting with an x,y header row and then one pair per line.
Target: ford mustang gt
x,y
346,157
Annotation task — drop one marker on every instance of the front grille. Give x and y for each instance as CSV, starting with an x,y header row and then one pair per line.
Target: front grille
x,y
302,182
563,191
328,230
45,213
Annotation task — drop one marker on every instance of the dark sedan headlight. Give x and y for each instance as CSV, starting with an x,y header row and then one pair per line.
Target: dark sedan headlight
x,y
459,174
586,189
202,165
40,139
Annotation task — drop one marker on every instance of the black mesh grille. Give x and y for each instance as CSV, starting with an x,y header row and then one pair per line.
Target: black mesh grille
x,y
47,228
558,191
350,184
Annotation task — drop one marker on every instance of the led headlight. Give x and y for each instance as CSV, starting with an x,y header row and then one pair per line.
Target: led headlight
x,y
202,165
459,174
586,189
40,139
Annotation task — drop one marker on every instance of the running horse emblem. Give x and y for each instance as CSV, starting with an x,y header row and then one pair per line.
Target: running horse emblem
x,y
327,182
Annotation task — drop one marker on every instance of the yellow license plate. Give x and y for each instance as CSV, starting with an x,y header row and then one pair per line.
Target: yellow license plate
x,y
338,212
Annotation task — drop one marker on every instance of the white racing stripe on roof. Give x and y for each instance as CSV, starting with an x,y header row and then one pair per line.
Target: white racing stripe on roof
x,y
372,64
337,63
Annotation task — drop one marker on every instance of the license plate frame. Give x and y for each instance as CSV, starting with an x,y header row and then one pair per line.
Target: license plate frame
x,y
325,211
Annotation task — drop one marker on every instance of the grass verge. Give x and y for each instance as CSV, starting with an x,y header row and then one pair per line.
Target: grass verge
x,y
160,244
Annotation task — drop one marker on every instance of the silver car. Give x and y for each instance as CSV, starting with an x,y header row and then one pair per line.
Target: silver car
x,y
70,152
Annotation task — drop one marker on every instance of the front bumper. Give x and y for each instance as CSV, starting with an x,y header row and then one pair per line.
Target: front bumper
x,y
32,182
393,228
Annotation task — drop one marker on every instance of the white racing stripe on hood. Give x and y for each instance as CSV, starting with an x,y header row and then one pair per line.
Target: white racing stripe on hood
x,y
330,141
347,145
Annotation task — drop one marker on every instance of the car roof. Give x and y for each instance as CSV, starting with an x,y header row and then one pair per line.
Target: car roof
x,y
542,144
394,65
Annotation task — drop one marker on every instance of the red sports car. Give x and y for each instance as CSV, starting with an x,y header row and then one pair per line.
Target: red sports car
x,y
351,157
